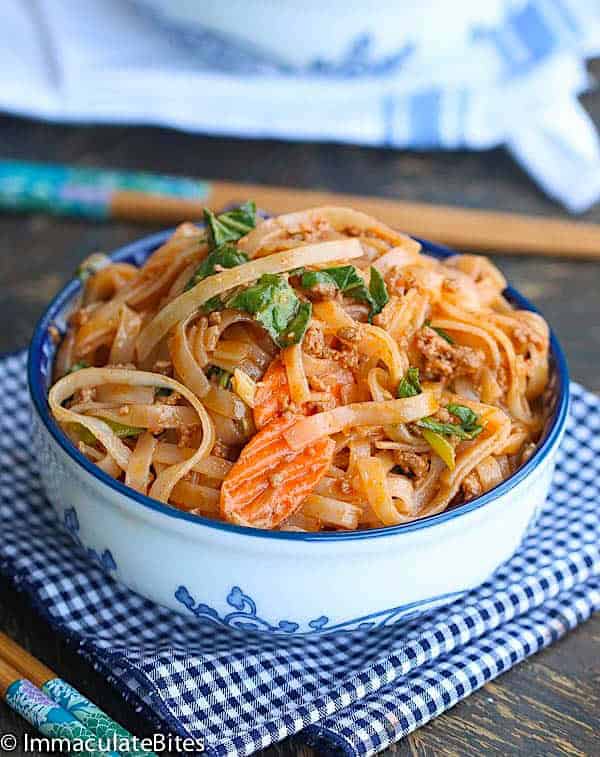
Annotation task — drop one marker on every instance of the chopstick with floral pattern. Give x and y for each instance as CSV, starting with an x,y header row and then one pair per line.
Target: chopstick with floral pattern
x,y
53,706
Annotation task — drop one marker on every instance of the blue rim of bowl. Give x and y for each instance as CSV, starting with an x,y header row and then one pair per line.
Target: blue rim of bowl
x,y
144,247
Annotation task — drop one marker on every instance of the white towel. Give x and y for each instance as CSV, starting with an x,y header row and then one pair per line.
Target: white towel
x,y
515,82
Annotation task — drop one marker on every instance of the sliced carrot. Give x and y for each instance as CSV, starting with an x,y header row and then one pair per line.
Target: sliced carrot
x,y
270,481
272,396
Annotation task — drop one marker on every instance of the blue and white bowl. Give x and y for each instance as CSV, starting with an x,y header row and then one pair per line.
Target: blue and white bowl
x,y
281,582
338,37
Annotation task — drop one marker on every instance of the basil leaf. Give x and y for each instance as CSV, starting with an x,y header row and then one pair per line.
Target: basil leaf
x,y
450,429
378,292
297,326
439,332
163,391
226,256
230,226
275,305
343,277
465,415
347,279
410,385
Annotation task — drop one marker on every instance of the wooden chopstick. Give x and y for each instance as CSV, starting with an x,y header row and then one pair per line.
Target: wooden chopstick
x,y
98,194
461,228
40,711
18,664
14,655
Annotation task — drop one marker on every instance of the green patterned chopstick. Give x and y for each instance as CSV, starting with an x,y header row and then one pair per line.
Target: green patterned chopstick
x,y
55,702
44,714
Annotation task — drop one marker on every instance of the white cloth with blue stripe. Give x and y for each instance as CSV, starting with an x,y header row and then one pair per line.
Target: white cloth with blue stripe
x,y
357,691
514,82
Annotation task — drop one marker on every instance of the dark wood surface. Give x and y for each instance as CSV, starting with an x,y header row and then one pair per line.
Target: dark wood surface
x,y
549,705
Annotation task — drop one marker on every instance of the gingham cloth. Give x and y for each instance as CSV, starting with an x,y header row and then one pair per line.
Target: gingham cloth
x,y
357,692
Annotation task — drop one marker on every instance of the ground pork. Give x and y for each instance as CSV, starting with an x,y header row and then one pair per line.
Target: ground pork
x,y
314,344
415,464
442,360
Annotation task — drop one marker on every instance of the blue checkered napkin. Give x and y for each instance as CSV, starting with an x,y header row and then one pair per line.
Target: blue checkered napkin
x,y
360,691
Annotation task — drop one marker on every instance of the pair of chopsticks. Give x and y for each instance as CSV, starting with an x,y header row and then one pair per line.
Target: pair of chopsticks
x,y
55,708
164,200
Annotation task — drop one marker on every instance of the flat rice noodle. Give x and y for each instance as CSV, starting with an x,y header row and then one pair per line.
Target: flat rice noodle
x,y
226,319
296,377
188,302
189,496
153,417
469,455
373,481
91,377
340,218
184,362
397,257
227,430
403,494
108,280
489,473
137,475
407,410
472,336
214,467
224,402
333,512
301,523
108,465
122,349
122,394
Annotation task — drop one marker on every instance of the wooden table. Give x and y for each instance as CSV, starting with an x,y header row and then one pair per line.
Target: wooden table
x,y
547,706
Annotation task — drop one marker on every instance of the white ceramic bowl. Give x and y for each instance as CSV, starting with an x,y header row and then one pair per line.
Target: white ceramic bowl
x,y
278,582
341,37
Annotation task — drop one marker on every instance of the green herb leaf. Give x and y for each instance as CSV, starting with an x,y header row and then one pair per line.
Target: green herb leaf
x,y
464,414
226,256
212,304
410,385
297,326
439,332
222,377
378,292
347,279
275,305
120,429
468,428
163,391
344,277
230,226
78,366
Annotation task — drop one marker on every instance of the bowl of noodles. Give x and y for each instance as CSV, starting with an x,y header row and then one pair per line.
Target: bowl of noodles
x,y
303,424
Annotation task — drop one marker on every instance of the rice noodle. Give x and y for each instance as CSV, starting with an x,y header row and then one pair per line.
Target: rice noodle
x,y
308,430
213,286
390,406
